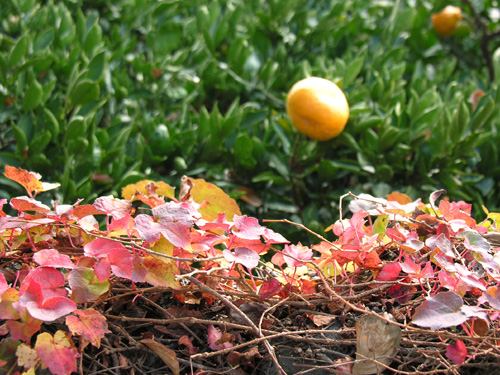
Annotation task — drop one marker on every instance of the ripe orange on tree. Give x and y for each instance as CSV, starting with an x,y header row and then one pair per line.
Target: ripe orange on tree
x,y
318,108
445,22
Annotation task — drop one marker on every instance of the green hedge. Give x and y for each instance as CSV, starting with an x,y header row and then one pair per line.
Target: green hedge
x,y
99,94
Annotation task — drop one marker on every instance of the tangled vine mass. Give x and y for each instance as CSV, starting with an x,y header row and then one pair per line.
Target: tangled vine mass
x,y
186,284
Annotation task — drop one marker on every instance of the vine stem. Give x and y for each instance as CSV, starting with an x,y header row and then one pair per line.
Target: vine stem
x,y
256,329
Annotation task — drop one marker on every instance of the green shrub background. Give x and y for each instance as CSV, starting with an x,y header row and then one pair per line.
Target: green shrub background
x,y
98,94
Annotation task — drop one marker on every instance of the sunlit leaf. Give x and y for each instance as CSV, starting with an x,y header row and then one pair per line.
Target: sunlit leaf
x,y
89,324
57,352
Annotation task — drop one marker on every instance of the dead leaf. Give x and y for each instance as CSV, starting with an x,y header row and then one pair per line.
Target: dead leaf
x,y
320,320
167,355
376,339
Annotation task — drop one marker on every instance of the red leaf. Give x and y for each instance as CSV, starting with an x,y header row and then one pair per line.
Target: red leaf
x,y
395,235
457,211
269,288
457,352
57,353
90,324
243,255
413,269
53,258
86,210
390,272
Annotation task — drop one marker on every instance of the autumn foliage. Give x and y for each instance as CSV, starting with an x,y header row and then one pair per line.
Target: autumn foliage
x,y
432,265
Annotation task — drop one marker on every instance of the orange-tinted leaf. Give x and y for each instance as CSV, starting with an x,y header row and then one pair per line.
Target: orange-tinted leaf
x,y
399,197
90,324
57,353
160,272
213,200
29,180
167,355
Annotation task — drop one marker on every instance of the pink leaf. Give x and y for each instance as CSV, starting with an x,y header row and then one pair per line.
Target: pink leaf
x,y
51,309
272,237
117,208
177,233
42,284
278,259
302,253
214,335
118,256
243,255
148,229
53,258
248,228
3,285
173,212
457,352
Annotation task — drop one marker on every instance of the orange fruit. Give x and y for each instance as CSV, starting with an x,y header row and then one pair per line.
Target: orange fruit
x,y
318,108
445,22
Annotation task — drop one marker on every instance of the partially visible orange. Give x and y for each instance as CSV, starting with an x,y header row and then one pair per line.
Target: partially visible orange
x,y
445,22
318,108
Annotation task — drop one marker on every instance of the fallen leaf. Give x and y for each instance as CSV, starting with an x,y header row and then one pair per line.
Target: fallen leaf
x,y
167,355
376,339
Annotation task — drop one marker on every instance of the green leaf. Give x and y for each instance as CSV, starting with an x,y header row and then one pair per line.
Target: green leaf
x,y
39,142
96,66
19,51
77,127
84,92
33,96
51,122
483,112
353,70
93,39
21,139
43,40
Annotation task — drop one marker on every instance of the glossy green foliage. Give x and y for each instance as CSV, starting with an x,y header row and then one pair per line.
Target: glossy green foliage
x,y
100,94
